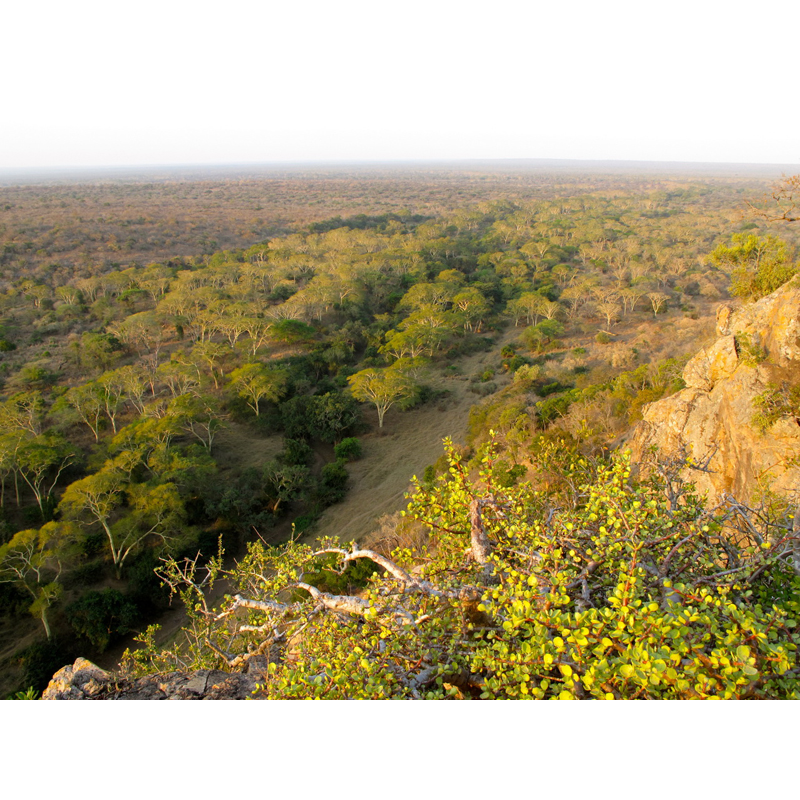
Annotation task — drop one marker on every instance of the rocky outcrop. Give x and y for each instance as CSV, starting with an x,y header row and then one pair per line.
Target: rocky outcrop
x,y
711,419
86,681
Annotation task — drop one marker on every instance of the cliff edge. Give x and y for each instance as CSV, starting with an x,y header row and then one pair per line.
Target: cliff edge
x,y
84,680
757,350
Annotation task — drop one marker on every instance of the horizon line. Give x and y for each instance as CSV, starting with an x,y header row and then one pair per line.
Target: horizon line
x,y
30,172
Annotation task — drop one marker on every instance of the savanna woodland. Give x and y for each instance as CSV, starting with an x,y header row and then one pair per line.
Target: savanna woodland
x,y
224,402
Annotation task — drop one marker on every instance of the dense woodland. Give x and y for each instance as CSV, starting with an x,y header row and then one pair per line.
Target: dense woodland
x,y
148,328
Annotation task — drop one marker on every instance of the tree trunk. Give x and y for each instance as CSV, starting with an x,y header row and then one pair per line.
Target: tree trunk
x,y
46,624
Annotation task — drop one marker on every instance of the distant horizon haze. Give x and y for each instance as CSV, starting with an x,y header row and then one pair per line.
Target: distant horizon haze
x,y
228,170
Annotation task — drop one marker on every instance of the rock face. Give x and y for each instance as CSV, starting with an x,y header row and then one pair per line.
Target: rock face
x,y
758,344
86,681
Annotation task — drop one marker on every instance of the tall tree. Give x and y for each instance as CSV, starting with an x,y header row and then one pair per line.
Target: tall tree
x,y
255,382
32,561
381,387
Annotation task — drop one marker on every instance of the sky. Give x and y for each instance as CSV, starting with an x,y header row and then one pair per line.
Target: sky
x,y
90,83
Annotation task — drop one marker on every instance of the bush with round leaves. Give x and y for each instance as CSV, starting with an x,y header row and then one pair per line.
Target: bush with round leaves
x,y
593,585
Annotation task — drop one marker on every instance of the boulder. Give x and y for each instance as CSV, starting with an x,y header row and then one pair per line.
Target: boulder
x,y
86,681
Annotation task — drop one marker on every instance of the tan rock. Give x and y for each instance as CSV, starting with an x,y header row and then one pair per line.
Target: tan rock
x,y
69,682
723,320
86,681
712,364
712,417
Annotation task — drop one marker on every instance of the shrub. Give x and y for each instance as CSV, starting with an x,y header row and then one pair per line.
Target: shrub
x,y
758,266
102,616
591,586
429,475
419,395
515,362
749,350
296,452
526,375
305,522
552,408
484,389
42,660
508,476
333,483
292,331
773,404
144,588
348,449
543,335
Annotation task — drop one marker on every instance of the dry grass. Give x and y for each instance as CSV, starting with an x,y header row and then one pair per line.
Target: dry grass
x,y
408,443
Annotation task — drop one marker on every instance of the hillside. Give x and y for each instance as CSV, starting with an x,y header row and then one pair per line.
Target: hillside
x,y
155,412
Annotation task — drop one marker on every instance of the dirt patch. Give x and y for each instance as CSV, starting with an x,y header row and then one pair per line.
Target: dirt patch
x,y
238,447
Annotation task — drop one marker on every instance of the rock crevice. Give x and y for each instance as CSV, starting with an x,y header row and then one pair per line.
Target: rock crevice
x,y
711,419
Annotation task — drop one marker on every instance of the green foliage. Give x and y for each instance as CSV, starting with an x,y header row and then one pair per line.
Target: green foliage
x,y
102,616
515,363
296,452
400,288
98,350
550,409
28,694
292,331
612,588
749,349
41,660
776,403
131,514
143,588
36,376
383,388
758,265
326,417
326,574
31,560
333,483
255,382
542,335
508,476
332,415
348,449
241,503
285,483
422,393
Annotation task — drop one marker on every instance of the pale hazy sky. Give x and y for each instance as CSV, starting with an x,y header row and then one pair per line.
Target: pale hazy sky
x,y
168,82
